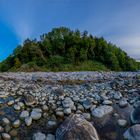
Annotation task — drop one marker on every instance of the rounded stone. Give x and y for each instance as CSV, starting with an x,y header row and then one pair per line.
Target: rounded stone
x,y
67,102
28,121
24,114
67,111
122,122
10,102
123,103
35,115
6,136
16,123
17,107
59,114
50,137
39,136
101,111
5,121
13,132
87,116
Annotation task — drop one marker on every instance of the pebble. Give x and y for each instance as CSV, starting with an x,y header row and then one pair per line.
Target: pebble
x,y
36,115
17,107
50,137
67,111
5,121
122,122
28,121
24,114
16,123
11,102
39,136
60,114
123,103
6,136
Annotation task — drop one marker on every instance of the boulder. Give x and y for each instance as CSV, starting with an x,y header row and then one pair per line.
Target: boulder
x,y
135,115
132,133
75,127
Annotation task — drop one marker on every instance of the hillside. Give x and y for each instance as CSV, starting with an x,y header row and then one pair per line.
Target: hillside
x,y
65,50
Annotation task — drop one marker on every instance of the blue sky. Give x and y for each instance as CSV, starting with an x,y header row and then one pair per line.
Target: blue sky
x,y
117,21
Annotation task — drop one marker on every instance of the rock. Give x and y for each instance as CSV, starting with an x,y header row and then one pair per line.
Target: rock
x,y
87,116
1,129
87,104
24,114
21,104
67,102
30,100
13,133
28,121
16,123
39,136
76,127
135,115
122,122
6,136
117,95
101,111
36,114
80,107
10,102
51,124
45,108
60,113
107,102
7,128
132,133
5,121
17,107
50,137
123,103
67,111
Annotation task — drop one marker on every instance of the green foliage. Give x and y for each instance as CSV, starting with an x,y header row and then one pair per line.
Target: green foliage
x,y
64,49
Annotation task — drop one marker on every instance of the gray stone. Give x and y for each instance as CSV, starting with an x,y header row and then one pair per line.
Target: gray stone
x,y
87,104
6,136
39,136
67,102
51,123
50,137
135,115
24,114
122,122
107,102
5,121
16,123
28,121
101,111
67,111
132,133
17,107
60,113
123,103
36,115
87,116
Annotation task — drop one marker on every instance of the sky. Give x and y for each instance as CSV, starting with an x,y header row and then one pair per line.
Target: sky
x,y
118,21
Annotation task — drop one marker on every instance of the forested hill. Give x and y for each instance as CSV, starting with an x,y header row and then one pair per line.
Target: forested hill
x,y
65,50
